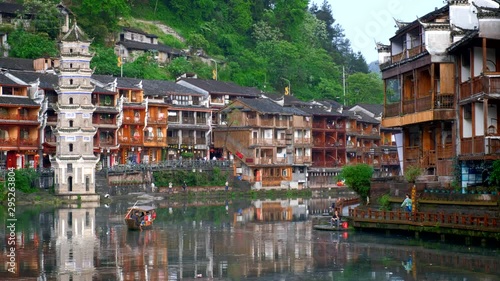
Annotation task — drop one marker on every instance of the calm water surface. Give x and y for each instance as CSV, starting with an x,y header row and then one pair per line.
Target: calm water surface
x,y
260,240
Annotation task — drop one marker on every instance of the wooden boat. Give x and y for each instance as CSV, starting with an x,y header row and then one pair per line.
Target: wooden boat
x,y
344,226
137,215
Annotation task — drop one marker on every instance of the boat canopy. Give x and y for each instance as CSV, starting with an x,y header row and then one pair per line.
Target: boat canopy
x,y
142,208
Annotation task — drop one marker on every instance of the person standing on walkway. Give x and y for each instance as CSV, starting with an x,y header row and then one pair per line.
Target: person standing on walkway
x,y
227,186
407,203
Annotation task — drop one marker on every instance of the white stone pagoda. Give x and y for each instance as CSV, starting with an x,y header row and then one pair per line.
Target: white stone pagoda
x,y
74,162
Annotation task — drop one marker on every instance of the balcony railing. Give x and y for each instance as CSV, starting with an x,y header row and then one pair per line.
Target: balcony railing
x,y
173,140
130,140
18,117
302,159
392,110
472,146
482,84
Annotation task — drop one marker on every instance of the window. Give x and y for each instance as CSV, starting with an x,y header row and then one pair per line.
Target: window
x,y
71,123
24,133
70,101
71,81
70,168
70,148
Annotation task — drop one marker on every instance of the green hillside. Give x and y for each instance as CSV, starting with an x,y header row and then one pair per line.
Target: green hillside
x,y
259,43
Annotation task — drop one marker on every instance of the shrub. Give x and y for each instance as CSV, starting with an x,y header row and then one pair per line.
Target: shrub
x,y
412,172
384,202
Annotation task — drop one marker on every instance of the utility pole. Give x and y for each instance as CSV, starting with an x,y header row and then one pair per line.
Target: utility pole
x,y
343,82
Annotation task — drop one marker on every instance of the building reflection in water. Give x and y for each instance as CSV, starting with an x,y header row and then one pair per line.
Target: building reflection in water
x,y
76,242
265,240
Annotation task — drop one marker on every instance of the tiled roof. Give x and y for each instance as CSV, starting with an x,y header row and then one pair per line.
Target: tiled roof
x,y
13,100
76,34
361,116
221,87
4,80
164,87
101,90
11,8
134,45
138,31
376,109
17,63
122,82
268,106
47,80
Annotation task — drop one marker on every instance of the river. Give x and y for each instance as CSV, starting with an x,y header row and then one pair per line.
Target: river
x,y
255,240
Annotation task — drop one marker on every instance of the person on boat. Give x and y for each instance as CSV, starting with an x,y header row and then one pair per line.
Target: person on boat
x,y
142,221
335,219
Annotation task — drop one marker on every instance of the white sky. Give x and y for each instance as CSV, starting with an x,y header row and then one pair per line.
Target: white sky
x,y
367,21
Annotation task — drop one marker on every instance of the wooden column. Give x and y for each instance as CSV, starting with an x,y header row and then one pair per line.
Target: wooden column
x,y
433,86
484,55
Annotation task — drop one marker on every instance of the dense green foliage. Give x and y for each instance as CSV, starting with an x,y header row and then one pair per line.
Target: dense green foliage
x,y
260,43
412,172
216,178
31,45
25,179
494,178
358,178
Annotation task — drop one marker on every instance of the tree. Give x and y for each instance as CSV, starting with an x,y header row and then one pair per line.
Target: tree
x,y
364,88
105,61
97,19
47,17
31,46
358,178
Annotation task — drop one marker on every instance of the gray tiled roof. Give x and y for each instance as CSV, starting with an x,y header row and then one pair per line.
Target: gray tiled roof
x,y
13,100
376,109
268,106
221,87
138,31
47,80
148,47
164,87
17,63
4,80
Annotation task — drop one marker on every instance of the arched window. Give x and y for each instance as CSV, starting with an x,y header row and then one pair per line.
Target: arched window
x,y
71,123
71,81
70,65
70,101
70,183
70,147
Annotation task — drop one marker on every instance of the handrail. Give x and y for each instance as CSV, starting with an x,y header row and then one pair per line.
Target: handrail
x,y
455,220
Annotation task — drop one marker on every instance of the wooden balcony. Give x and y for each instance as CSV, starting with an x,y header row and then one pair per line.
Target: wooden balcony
x,y
421,104
302,141
173,140
135,120
392,110
478,85
18,117
130,140
264,142
187,140
407,54
302,159
19,142
471,146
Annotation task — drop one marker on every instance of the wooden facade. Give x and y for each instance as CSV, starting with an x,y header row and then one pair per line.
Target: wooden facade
x,y
267,145
19,136
420,97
